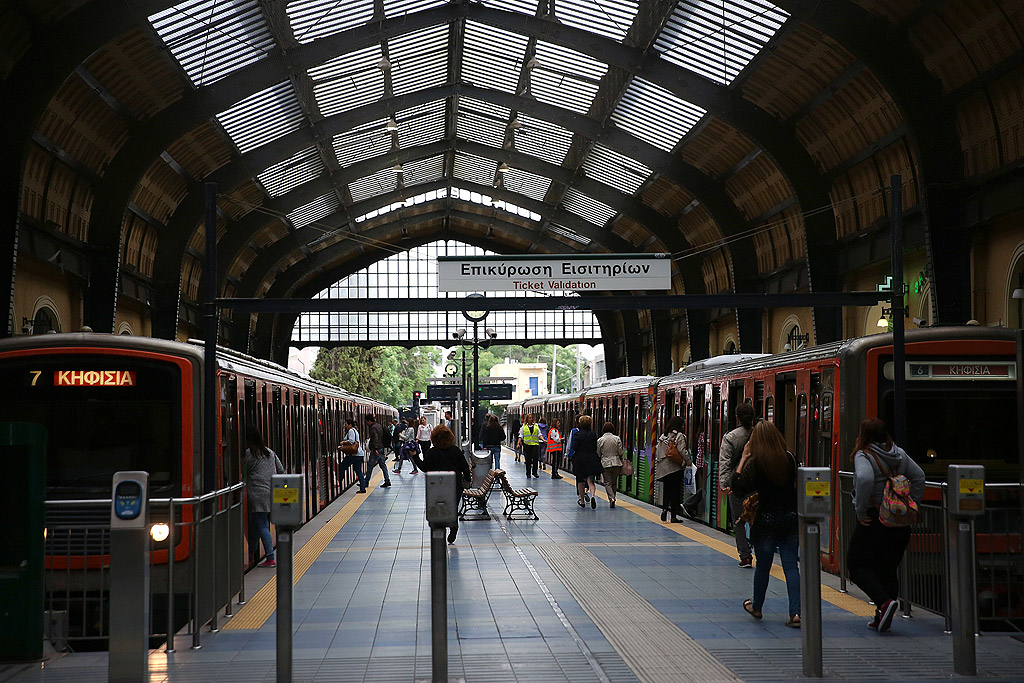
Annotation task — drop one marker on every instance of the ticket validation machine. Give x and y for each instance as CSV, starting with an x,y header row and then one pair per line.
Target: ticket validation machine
x,y
129,578
965,500
286,514
442,511
814,507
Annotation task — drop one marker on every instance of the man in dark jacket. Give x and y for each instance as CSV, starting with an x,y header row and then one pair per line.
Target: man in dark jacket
x,y
729,456
375,450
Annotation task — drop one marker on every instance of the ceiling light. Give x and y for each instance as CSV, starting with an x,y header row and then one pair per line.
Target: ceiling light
x,y
384,65
397,168
391,125
503,167
882,322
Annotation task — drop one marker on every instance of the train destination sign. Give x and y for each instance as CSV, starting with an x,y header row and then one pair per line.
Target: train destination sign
x,y
572,272
956,370
92,378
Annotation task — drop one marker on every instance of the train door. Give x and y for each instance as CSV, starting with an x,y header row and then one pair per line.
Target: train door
x,y
785,409
629,413
646,426
759,400
821,417
803,383
714,442
231,467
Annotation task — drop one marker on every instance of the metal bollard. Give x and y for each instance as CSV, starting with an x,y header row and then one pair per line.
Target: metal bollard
x,y
814,506
286,510
128,657
965,499
441,512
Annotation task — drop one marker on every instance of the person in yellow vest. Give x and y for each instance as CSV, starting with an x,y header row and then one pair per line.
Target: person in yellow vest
x,y
529,440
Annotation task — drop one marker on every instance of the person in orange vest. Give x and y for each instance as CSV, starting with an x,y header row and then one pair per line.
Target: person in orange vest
x,y
555,447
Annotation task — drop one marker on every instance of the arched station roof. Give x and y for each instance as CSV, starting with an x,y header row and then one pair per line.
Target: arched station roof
x,y
749,139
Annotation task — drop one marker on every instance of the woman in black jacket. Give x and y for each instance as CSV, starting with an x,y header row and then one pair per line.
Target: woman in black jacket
x,y
586,462
492,437
445,456
769,470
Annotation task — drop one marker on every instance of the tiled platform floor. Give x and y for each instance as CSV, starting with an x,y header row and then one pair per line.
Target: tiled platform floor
x,y
362,610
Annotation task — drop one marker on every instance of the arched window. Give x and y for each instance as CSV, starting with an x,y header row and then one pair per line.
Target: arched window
x,y
45,321
730,347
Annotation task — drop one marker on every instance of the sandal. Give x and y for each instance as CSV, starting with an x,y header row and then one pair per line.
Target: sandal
x,y
748,605
793,621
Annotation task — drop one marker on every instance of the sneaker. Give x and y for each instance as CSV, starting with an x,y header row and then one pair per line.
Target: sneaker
x,y
451,536
887,610
415,471
385,484
556,476
361,491
593,503
873,624
746,563
397,471
269,562
611,504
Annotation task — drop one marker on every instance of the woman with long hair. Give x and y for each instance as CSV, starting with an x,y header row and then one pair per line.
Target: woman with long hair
x,y
423,435
261,464
609,447
586,462
409,445
445,456
669,471
492,438
769,470
876,550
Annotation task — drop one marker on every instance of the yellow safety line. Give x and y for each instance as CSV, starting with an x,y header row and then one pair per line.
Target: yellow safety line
x,y
841,600
258,609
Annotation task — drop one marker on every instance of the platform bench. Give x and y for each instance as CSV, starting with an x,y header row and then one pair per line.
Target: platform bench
x,y
518,500
475,500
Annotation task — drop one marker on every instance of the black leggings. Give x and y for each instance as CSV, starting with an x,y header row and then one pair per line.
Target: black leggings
x,y
673,484
874,558
532,454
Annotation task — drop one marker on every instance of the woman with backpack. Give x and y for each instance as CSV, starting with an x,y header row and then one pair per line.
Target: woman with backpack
x,y
768,470
886,482
671,458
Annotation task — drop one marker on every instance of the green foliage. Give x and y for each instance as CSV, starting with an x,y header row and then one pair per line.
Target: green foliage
x,y
386,373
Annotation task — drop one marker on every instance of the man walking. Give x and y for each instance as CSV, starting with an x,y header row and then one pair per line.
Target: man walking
x,y
529,441
354,460
376,448
729,456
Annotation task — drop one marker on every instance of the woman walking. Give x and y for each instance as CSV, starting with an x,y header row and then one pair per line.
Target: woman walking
x,y
769,470
671,458
409,446
423,435
609,447
876,549
554,441
492,438
586,462
445,456
261,464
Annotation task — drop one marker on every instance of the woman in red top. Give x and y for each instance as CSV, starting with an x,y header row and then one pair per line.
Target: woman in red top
x,y
555,447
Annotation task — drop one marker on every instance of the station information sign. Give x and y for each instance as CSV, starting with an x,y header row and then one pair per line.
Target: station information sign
x,y
572,272
956,370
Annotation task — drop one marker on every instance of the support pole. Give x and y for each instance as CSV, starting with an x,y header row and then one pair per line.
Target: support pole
x,y
899,377
964,605
210,347
284,606
474,428
438,603
810,596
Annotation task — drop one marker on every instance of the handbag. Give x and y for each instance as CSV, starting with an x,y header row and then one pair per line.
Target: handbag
x,y
627,468
349,447
750,505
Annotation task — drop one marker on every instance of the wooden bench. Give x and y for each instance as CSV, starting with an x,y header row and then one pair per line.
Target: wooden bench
x,y
475,500
518,500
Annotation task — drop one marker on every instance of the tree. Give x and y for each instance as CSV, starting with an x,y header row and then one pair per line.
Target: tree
x,y
386,373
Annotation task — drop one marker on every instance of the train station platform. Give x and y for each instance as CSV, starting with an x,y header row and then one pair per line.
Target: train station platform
x,y
604,596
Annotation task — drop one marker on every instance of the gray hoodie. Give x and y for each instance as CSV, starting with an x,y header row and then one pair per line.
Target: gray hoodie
x,y
869,484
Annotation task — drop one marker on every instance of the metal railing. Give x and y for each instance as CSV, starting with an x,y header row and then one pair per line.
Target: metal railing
x,y
924,572
77,548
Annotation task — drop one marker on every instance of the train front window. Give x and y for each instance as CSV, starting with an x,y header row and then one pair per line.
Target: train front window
x,y
961,426
102,414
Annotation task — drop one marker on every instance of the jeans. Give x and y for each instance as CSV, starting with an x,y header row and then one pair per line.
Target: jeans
x,y
496,455
377,458
874,557
740,528
764,550
355,461
261,525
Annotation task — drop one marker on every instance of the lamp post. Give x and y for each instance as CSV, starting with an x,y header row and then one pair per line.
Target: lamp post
x,y
475,317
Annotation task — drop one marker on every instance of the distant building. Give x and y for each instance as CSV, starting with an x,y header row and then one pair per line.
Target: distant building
x,y
598,372
528,379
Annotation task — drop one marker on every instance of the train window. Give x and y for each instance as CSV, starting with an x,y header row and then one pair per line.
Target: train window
x,y
801,432
769,409
230,469
759,398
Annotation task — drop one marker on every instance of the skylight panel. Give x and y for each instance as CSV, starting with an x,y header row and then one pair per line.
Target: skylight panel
x,y
312,19
475,169
362,142
422,124
655,115
419,59
566,232
517,210
211,39
384,180
492,57
544,140
609,18
286,175
522,6
348,81
565,78
262,117
396,8
611,168
715,41
423,170
481,122
526,183
587,208
320,207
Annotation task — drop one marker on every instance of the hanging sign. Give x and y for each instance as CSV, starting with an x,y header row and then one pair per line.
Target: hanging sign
x,y
575,272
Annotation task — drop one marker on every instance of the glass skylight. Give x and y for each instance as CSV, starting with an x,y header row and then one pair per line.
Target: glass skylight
x,y
314,211
492,57
565,78
422,124
422,171
618,170
262,117
211,39
396,8
384,180
655,115
419,59
362,142
566,232
488,200
475,169
348,81
302,167
526,183
609,18
312,19
411,201
481,122
716,40
587,208
543,140
522,6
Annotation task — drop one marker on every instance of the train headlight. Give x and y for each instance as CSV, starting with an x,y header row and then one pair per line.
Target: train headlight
x,y
159,532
